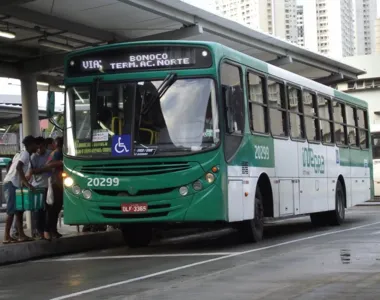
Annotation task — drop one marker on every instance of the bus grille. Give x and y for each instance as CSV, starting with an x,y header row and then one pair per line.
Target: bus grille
x,y
139,193
136,169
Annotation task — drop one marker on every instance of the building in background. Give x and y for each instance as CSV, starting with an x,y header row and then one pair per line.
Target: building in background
x,y
377,35
300,26
367,86
365,27
245,12
338,28
329,27
276,17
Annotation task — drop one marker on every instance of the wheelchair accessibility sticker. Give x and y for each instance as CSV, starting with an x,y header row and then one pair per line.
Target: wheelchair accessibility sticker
x,y
121,145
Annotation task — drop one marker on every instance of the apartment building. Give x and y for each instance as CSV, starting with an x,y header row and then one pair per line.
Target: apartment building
x,y
276,17
365,24
330,26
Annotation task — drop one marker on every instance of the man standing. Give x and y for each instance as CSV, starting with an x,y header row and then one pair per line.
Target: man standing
x,y
39,179
13,180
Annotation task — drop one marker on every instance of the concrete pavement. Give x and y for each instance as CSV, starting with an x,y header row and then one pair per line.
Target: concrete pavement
x,y
295,261
70,242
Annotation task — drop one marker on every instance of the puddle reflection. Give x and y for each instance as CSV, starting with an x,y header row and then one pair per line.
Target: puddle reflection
x,y
345,256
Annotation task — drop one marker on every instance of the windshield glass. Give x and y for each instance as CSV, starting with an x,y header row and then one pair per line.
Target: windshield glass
x,y
161,117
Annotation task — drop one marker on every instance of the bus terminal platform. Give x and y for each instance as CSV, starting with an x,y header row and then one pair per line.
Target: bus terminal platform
x,y
71,241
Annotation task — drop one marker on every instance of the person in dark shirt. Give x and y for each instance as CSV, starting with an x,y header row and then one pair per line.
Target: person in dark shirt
x,y
49,144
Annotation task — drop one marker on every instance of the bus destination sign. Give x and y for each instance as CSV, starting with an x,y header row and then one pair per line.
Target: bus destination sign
x,y
137,59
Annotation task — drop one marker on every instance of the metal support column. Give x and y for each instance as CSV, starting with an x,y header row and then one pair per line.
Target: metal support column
x,y
30,120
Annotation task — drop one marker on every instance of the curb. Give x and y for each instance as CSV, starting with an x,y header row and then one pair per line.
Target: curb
x,y
21,252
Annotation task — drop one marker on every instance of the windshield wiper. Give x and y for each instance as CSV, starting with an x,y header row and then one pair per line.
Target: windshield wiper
x,y
181,149
161,90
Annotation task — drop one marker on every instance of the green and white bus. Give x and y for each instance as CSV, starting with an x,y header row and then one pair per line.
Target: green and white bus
x,y
176,132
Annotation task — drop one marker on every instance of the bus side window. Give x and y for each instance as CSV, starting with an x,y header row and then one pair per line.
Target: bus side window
x,y
363,128
277,111
257,104
233,96
295,112
351,126
325,119
311,116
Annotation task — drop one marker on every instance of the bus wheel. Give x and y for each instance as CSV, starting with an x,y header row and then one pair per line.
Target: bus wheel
x,y
252,230
337,216
137,235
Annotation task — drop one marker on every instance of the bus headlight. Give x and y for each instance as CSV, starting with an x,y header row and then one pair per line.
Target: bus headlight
x,y
210,177
76,189
183,190
87,194
68,181
197,185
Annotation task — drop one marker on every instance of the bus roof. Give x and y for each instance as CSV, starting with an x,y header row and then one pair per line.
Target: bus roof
x,y
288,76
223,51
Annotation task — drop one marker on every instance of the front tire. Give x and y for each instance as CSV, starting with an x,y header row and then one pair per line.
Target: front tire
x,y
252,231
136,236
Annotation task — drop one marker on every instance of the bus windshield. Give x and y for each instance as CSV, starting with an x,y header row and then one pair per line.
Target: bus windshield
x,y
160,117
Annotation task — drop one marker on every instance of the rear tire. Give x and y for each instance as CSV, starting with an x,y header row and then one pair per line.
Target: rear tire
x,y
137,235
337,216
333,217
252,230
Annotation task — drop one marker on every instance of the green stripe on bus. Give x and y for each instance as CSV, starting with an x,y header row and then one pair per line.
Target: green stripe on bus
x,y
354,157
257,151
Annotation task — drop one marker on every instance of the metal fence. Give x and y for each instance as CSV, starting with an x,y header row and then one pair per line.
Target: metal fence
x,y
9,144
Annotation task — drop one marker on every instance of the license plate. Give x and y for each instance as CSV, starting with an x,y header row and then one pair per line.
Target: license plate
x,y
134,207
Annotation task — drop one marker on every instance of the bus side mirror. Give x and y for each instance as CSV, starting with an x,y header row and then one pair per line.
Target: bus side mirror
x,y
229,108
50,104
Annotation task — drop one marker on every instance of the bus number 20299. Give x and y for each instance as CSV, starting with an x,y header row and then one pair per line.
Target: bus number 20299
x,y
109,181
261,152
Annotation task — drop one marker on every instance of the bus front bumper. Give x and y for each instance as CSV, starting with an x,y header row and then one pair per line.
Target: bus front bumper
x,y
207,205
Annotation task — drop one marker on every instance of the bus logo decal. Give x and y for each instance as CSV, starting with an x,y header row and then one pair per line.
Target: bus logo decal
x,y
314,161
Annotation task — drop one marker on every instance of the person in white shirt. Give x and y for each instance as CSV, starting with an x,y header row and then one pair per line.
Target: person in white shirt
x,y
14,179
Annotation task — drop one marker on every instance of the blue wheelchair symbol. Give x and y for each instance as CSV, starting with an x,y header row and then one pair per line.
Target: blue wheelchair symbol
x,y
121,145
